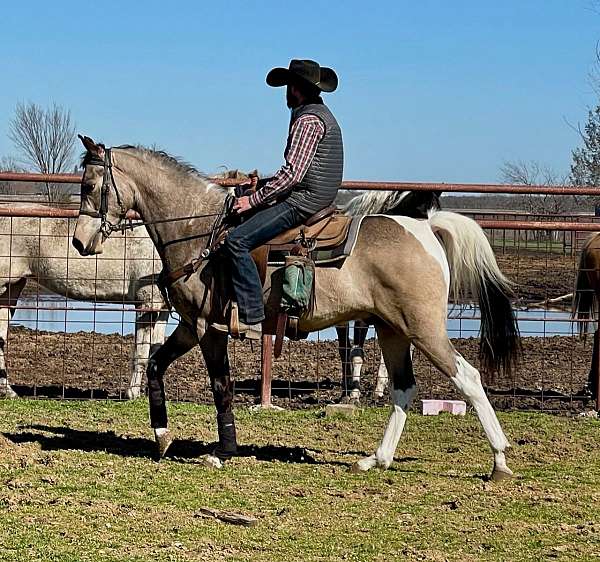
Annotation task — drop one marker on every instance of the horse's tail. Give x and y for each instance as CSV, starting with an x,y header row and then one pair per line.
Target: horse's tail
x,y
474,271
585,300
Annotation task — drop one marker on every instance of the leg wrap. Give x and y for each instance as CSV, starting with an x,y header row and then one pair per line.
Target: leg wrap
x,y
227,446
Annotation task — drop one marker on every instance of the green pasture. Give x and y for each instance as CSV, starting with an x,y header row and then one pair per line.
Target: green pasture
x,y
79,483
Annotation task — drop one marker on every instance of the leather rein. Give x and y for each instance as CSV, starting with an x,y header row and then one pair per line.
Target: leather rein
x,y
124,223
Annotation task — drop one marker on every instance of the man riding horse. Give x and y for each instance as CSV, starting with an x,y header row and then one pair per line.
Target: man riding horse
x,y
307,183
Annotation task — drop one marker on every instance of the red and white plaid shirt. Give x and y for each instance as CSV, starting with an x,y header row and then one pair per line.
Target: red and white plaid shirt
x,y
305,135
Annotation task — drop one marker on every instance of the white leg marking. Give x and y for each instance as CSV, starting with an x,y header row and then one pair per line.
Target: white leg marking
x,y
160,431
384,455
382,379
357,363
468,381
210,461
401,402
6,390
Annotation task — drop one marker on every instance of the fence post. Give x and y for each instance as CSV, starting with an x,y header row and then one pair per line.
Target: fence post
x,y
595,374
266,362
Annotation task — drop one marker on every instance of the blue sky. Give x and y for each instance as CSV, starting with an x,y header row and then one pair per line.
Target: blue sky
x,y
429,91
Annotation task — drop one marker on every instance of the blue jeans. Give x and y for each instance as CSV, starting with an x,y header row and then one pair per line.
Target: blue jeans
x,y
252,233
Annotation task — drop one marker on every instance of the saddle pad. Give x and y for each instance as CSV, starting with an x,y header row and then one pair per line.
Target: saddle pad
x,y
328,232
323,257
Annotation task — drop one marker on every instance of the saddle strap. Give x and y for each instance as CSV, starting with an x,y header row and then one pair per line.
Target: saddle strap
x,y
282,320
185,271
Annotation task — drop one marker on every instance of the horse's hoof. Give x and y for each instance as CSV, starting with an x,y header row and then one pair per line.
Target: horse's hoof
x,y
210,461
133,394
9,394
6,390
501,474
163,439
363,465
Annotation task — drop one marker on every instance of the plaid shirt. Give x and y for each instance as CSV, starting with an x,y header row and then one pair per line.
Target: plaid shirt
x,y
304,138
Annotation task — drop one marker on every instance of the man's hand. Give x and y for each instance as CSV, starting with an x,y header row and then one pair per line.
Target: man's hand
x,y
242,205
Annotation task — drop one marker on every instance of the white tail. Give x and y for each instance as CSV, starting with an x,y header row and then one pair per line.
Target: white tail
x,y
474,272
470,256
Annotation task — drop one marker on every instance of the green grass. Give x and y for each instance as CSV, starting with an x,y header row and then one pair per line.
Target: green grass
x,y
81,485
555,247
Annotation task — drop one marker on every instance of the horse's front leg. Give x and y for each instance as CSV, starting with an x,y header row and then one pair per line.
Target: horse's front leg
x,y
8,301
140,352
178,343
214,349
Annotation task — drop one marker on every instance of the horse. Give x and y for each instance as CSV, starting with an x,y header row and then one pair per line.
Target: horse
x,y
586,299
399,274
125,273
415,204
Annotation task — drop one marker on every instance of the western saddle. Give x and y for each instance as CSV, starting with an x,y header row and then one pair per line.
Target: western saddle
x,y
328,229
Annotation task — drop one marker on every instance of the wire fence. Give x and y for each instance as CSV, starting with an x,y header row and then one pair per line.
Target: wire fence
x,y
74,327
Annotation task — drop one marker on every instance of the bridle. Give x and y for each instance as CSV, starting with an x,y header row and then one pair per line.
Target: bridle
x,y
108,181
124,223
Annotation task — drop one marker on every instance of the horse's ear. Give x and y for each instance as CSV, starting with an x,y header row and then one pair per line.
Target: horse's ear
x,y
92,147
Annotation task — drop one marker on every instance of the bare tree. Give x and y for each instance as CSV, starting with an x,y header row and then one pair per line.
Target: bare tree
x,y
8,164
533,173
45,139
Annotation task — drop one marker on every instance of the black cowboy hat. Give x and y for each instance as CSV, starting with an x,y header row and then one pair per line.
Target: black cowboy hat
x,y
323,78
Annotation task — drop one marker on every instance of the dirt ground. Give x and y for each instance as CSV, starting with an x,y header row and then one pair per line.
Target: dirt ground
x,y
537,275
83,365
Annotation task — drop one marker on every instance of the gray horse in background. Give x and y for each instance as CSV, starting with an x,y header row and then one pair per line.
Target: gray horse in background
x,y
40,250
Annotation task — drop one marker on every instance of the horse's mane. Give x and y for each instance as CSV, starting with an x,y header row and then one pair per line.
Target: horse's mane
x,y
174,162
374,202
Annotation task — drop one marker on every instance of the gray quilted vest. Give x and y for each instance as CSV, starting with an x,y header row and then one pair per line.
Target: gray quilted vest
x,y
320,185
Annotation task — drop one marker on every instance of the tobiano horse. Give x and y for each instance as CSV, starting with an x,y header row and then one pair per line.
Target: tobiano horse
x,y
399,274
585,302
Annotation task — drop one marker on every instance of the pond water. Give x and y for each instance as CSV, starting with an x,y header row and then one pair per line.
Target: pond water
x,y
54,314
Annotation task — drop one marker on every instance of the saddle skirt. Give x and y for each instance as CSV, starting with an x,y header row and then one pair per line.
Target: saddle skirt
x,y
329,239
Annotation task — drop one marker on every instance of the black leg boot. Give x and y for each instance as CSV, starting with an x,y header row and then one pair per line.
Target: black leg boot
x,y
227,446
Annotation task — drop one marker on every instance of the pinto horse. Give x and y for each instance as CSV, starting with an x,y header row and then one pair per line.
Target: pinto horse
x,y
400,275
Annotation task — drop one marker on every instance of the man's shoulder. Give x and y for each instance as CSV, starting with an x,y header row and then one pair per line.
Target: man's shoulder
x,y
310,118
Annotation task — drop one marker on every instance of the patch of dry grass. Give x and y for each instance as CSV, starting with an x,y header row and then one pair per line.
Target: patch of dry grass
x,y
79,483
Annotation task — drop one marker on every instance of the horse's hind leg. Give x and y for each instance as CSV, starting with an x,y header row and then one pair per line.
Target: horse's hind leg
x,y
344,344
433,341
7,303
214,350
395,348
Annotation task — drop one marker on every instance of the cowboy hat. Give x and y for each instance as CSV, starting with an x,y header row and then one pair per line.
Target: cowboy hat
x,y
323,78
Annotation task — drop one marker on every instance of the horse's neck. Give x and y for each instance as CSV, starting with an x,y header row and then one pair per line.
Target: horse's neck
x,y
159,198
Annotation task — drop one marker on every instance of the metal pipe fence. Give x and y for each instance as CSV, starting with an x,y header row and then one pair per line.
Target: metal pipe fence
x,y
64,342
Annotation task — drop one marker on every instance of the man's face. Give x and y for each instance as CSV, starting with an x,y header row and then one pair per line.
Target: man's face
x,y
292,96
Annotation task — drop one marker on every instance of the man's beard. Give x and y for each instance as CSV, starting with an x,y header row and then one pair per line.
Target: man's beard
x,y
291,99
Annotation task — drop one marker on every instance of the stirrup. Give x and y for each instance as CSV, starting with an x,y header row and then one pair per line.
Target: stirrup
x,y
234,321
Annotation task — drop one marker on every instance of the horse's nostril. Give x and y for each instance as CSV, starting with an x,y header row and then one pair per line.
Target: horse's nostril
x,y
78,245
